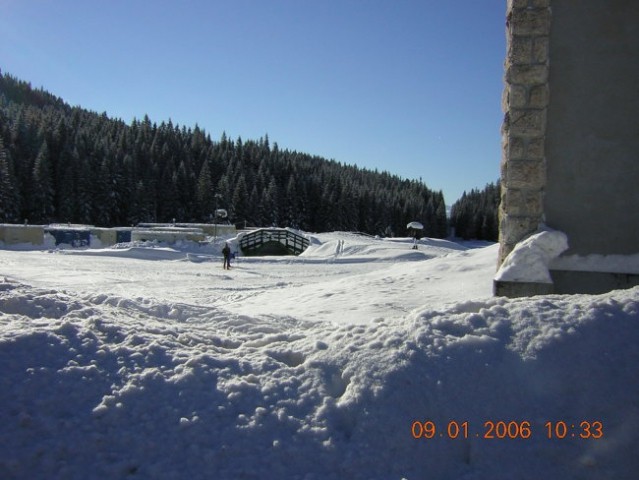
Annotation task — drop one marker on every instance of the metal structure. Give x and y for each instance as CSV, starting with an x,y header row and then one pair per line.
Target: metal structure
x,y
273,241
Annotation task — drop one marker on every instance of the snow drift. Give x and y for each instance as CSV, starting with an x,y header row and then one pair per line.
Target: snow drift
x,y
124,368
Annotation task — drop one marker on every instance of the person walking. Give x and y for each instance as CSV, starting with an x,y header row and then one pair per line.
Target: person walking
x,y
226,251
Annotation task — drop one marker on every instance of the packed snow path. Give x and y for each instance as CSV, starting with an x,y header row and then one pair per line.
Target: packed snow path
x,y
115,366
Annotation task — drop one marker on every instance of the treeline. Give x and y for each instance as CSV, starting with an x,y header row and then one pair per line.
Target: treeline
x,y
475,215
67,164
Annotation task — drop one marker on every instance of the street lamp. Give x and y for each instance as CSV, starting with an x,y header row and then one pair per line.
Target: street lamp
x,y
217,197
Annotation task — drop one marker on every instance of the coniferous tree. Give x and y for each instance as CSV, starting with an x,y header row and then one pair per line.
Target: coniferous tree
x,y
9,207
167,195
239,203
204,194
85,191
41,201
292,216
475,214
441,221
103,171
66,186
223,192
254,207
270,204
183,185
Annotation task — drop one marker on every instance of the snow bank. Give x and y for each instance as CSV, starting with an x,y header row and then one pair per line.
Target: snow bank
x,y
110,387
353,247
530,259
118,368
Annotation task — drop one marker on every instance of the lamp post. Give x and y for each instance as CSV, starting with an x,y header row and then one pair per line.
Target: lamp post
x,y
217,197
414,227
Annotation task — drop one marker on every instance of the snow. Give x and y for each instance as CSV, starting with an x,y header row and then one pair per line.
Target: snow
x,y
151,361
530,259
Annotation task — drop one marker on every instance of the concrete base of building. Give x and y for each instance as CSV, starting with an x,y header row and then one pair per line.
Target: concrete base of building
x,y
521,289
570,281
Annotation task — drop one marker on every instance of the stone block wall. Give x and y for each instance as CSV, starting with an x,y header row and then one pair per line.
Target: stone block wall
x,y
525,102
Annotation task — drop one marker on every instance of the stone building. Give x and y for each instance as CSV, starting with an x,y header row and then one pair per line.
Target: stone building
x,y
571,143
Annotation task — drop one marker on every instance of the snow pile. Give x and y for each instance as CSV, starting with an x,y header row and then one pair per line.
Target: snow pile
x,y
124,368
530,259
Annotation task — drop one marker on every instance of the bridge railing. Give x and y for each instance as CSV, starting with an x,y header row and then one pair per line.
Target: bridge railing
x,y
294,242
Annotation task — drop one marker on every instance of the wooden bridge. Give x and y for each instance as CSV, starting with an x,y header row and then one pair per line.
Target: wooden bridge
x,y
273,241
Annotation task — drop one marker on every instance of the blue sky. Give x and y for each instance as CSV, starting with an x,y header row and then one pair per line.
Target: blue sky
x,y
412,87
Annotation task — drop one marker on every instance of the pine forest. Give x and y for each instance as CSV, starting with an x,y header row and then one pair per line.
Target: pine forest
x,y
67,164
475,215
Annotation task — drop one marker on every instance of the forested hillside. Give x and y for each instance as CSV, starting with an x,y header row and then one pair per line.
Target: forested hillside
x,y
66,164
475,215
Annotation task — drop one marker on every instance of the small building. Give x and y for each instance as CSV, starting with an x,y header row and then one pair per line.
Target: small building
x,y
15,234
111,236
70,234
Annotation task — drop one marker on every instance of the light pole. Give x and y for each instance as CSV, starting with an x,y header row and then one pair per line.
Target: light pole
x,y
217,197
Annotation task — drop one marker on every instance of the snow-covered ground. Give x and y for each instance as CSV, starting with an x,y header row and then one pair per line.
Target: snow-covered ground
x,y
153,363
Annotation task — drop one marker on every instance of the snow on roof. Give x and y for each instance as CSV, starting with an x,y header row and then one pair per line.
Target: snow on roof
x,y
69,227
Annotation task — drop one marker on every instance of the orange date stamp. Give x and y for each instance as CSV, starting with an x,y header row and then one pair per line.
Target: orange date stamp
x,y
511,430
